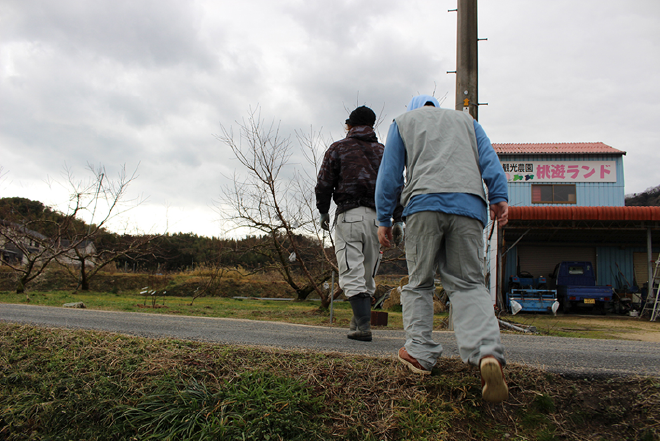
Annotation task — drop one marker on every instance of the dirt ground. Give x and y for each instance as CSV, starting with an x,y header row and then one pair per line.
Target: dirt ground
x,y
629,328
610,326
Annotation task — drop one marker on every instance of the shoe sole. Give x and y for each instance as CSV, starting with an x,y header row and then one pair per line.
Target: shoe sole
x,y
495,389
413,367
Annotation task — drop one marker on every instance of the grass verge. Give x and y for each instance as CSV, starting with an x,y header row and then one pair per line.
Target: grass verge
x,y
64,384
303,313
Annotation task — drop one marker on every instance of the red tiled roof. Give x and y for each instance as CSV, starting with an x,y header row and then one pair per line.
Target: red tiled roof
x,y
585,213
559,148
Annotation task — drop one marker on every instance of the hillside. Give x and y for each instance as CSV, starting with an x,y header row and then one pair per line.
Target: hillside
x,y
650,197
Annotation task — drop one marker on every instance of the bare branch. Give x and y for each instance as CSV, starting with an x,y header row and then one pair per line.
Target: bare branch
x,y
98,200
276,200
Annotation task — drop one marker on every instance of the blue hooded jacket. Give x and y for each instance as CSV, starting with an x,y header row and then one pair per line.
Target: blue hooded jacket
x,y
418,101
391,179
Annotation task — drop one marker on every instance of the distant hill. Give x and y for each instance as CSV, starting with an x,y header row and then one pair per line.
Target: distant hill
x,y
34,214
650,197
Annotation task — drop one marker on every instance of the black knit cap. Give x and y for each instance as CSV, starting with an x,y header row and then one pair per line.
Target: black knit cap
x,y
362,116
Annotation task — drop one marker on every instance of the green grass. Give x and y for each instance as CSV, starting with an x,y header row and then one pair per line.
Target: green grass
x,y
83,385
304,313
255,405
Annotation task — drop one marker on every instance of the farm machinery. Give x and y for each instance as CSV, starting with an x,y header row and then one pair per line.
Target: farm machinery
x,y
530,294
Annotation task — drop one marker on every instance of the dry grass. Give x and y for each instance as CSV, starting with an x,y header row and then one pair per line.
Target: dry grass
x,y
591,326
92,375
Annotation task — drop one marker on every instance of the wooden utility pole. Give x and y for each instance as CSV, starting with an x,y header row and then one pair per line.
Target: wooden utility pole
x,y
467,84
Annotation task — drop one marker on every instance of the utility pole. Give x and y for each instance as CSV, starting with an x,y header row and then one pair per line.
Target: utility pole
x,y
467,66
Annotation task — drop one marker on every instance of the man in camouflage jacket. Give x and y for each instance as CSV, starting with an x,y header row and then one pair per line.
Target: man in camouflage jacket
x,y
348,175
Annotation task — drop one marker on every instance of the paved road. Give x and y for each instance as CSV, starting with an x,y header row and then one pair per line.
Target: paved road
x,y
571,356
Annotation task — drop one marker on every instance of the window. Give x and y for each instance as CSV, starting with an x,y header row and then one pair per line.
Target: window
x,y
553,194
575,270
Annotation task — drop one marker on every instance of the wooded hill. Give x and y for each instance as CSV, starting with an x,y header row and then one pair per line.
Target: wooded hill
x,y
177,251
650,198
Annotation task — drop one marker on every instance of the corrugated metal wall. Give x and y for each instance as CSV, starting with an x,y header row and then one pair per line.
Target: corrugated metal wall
x,y
608,271
609,257
541,261
640,261
608,194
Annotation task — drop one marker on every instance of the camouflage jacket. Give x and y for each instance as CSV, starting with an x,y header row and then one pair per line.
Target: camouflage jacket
x,y
349,170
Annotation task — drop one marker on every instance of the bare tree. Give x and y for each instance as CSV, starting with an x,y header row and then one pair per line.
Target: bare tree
x,y
97,251
91,247
276,204
65,237
28,252
313,149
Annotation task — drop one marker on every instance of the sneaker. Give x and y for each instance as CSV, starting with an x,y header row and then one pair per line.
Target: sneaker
x,y
411,362
494,388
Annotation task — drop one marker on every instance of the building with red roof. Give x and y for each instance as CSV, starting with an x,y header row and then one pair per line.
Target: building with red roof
x,y
567,202
558,148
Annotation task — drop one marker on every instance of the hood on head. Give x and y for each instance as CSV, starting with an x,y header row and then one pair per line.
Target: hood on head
x,y
419,101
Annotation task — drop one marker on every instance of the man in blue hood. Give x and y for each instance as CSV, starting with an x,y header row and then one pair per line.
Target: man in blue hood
x,y
447,157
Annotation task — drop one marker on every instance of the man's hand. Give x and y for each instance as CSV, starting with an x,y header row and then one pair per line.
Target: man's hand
x,y
385,236
500,211
397,233
325,221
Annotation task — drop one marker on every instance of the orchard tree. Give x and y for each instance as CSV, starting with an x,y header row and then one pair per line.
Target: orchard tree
x,y
39,237
28,252
91,247
277,201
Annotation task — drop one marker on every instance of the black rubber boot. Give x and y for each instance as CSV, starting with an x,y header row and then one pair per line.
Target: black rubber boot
x,y
361,305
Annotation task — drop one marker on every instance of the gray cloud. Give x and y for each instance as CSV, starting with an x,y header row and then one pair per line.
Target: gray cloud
x,y
150,82
144,33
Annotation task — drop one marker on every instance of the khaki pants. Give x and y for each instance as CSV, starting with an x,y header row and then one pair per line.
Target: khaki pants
x,y
452,245
357,250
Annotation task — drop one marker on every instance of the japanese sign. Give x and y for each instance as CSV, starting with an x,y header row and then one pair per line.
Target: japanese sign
x,y
560,171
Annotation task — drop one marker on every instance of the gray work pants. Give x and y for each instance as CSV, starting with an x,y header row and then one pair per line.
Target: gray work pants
x,y
452,245
357,250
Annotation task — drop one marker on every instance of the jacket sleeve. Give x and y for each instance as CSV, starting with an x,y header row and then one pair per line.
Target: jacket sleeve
x,y
390,178
326,182
491,169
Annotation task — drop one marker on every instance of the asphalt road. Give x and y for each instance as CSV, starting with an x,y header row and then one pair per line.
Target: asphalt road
x,y
569,356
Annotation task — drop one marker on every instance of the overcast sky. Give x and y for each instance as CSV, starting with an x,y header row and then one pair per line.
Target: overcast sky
x,y
149,83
